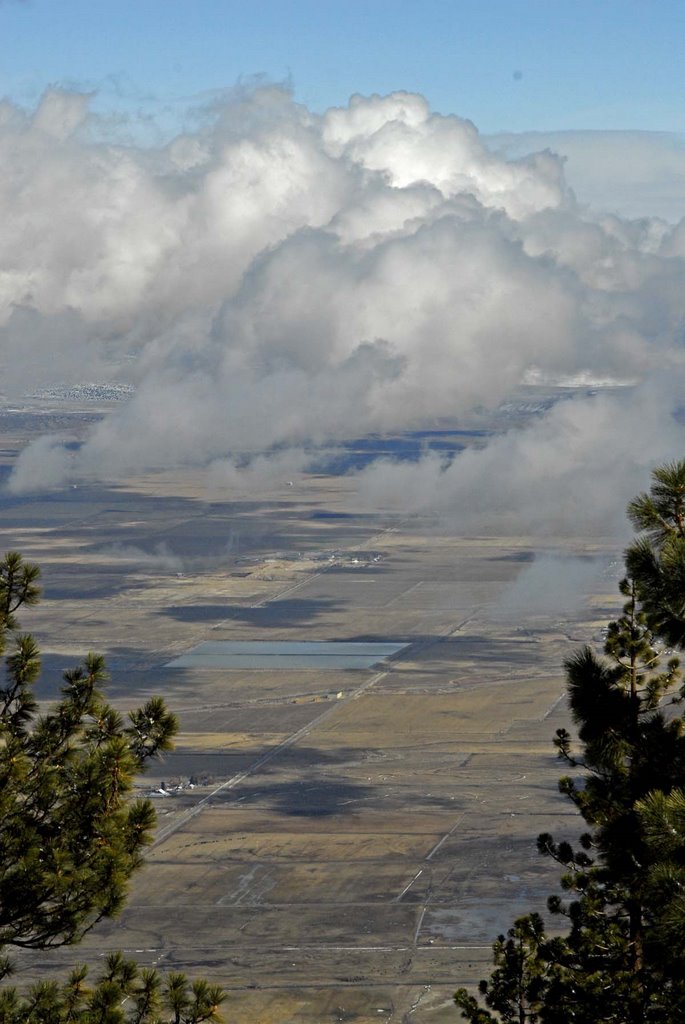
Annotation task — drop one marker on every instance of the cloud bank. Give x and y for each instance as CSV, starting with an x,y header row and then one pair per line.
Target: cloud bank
x,y
632,173
278,280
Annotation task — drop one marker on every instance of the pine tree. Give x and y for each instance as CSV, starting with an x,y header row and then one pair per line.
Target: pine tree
x,y
71,835
621,958
657,558
520,981
662,818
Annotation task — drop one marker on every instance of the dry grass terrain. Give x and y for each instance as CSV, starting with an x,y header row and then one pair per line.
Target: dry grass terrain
x,y
355,839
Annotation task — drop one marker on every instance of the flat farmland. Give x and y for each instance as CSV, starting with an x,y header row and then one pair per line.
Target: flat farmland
x,y
332,845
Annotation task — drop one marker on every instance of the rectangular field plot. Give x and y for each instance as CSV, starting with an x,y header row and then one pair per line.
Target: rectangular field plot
x,y
286,654
285,847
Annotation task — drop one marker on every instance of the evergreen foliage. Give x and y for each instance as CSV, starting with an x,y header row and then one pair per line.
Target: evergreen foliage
x,y
621,958
70,833
657,559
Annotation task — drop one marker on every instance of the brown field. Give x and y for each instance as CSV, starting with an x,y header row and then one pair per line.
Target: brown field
x,y
356,839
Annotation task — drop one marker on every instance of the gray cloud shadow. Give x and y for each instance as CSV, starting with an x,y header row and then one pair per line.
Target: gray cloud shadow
x,y
277,614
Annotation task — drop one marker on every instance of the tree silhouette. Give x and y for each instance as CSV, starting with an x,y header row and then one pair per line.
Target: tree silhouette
x,y
71,835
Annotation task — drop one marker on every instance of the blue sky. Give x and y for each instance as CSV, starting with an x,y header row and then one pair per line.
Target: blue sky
x,y
509,66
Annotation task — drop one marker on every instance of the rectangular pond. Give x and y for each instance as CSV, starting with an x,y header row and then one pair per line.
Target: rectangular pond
x,y
286,654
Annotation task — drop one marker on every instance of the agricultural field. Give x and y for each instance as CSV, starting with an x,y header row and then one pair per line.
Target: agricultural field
x,y
334,843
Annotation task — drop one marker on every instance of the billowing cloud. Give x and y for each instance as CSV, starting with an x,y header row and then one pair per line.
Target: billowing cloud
x,y
571,471
630,173
279,280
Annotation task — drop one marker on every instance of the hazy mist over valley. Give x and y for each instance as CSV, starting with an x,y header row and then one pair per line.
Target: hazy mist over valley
x,y
276,281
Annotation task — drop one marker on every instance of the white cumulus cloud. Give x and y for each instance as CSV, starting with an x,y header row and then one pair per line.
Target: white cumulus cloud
x,y
281,279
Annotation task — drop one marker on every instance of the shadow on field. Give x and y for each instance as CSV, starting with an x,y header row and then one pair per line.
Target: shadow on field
x,y
276,614
308,798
